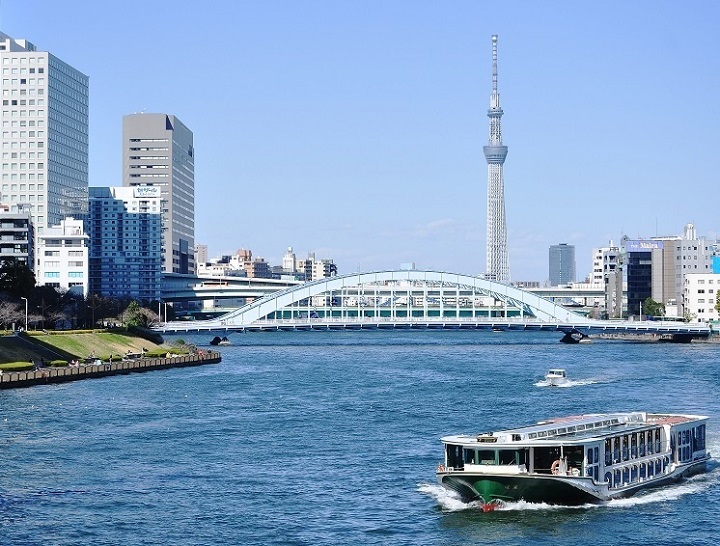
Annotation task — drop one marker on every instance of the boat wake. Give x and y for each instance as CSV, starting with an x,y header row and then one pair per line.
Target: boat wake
x,y
450,502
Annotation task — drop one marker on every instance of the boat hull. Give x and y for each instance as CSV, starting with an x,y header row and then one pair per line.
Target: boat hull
x,y
535,489
560,490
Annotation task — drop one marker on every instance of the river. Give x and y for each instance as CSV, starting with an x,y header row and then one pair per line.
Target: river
x,y
323,438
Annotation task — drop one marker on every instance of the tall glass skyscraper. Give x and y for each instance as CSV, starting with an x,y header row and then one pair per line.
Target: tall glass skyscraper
x,y
562,264
44,141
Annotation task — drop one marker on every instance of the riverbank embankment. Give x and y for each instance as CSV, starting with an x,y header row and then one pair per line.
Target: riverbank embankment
x,y
45,376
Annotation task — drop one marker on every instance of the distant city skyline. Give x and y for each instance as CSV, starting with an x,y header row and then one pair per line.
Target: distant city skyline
x,y
358,134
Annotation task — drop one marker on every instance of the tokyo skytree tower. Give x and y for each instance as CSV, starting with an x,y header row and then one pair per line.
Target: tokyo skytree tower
x,y
495,153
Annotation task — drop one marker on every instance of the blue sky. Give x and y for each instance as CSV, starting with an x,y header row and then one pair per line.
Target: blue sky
x,y
354,129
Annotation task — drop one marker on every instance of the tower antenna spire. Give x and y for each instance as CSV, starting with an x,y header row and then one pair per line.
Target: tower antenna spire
x,y
494,62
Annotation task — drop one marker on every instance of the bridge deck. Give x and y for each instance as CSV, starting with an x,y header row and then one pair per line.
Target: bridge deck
x,y
586,328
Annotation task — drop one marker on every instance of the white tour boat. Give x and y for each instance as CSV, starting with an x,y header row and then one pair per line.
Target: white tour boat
x,y
575,460
556,377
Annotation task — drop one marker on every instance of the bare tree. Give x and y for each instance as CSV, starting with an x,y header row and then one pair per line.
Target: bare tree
x,y
10,312
35,319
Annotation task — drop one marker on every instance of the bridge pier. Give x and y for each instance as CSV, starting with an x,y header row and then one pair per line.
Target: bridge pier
x,y
677,338
573,337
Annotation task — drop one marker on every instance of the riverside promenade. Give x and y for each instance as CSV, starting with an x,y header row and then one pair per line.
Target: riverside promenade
x,y
46,376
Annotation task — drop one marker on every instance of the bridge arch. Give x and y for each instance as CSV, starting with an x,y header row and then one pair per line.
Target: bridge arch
x,y
409,293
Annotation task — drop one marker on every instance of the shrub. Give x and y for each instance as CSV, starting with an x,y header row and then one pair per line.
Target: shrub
x,y
16,366
115,357
156,353
57,363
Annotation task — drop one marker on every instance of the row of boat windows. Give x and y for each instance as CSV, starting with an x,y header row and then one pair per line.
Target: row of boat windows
x,y
636,472
572,429
631,446
457,457
494,457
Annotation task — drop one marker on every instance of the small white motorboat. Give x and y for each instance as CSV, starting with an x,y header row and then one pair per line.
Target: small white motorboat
x,y
556,377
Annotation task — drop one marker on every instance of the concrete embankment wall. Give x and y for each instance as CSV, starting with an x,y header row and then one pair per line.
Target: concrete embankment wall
x,y
10,380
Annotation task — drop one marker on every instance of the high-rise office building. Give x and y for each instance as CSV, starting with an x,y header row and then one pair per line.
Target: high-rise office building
x,y
125,242
201,255
643,264
495,154
44,133
683,255
158,151
562,264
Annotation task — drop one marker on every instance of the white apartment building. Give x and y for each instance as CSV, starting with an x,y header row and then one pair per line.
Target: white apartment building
x,y
44,139
606,270
62,257
692,255
700,296
596,271
288,261
315,269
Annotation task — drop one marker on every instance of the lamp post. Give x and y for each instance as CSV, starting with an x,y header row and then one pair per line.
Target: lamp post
x,y
26,311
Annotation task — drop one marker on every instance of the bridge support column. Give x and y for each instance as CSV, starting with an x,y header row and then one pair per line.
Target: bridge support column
x,y
681,338
573,337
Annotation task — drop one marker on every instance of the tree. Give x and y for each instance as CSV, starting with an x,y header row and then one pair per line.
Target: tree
x,y
9,313
16,278
717,302
653,308
138,316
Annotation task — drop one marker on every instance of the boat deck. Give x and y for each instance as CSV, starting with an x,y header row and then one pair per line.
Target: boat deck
x,y
576,428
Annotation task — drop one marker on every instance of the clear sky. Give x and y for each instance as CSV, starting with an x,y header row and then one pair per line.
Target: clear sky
x,y
354,129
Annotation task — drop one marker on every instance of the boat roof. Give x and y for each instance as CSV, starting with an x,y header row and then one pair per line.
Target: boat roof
x,y
574,429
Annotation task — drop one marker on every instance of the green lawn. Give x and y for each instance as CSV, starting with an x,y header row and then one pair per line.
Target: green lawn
x,y
81,345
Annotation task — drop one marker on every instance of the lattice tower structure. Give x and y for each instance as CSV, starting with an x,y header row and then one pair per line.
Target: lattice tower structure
x,y
495,154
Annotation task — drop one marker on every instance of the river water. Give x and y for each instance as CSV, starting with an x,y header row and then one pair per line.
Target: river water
x,y
323,438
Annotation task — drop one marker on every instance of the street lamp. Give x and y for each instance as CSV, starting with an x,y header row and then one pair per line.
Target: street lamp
x,y
26,311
